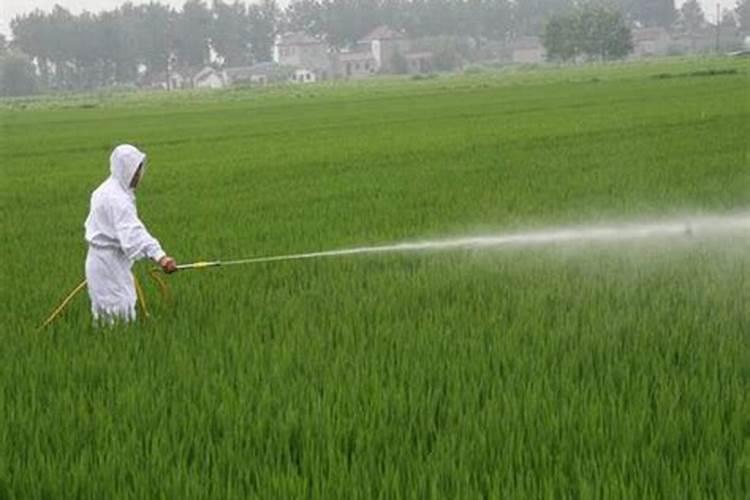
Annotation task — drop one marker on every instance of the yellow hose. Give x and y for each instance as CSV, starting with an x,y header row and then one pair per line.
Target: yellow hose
x,y
62,305
163,289
141,297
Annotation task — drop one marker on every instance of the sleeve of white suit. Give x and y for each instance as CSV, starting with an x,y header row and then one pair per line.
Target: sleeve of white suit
x,y
134,238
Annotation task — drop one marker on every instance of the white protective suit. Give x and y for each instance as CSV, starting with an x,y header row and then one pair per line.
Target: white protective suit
x,y
116,238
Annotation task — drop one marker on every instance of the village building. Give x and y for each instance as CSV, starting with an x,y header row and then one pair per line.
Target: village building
x,y
356,64
385,45
303,52
210,78
378,52
172,80
650,42
257,74
304,76
527,50
418,62
299,57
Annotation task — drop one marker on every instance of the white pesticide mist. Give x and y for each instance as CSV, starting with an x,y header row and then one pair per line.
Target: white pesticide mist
x,y
722,228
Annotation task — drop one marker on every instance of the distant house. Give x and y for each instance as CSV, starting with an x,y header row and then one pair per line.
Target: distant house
x,y
701,41
304,76
210,78
257,74
178,81
419,62
240,75
385,43
356,64
174,80
652,41
314,60
528,50
661,42
303,51
388,46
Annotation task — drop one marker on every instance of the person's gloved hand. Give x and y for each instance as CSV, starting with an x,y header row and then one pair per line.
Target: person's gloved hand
x,y
168,264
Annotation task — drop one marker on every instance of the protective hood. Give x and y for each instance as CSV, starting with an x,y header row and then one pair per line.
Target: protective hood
x,y
124,163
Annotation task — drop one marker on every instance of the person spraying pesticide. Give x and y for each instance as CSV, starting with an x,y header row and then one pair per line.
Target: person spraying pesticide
x,y
117,238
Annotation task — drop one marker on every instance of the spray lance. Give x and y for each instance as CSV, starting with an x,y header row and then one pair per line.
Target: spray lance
x,y
402,247
198,265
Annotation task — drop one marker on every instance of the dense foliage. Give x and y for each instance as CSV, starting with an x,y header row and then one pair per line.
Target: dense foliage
x,y
591,30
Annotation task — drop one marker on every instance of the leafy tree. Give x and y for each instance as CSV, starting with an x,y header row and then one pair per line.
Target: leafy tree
x,y
691,20
393,13
155,31
305,15
61,31
230,35
484,19
497,19
85,54
192,33
593,30
560,39
17,75
649,12
743,15
438,17
729,21
347,21
31,36
119,32
603,32
448,53
48,39
263,21
530,16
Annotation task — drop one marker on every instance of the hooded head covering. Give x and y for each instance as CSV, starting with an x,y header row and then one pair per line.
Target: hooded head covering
x,y
124,163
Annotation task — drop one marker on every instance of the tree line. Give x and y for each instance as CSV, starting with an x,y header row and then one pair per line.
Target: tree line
x,y
117,47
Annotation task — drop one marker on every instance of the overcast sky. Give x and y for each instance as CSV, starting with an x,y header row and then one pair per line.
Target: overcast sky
x,y
11,8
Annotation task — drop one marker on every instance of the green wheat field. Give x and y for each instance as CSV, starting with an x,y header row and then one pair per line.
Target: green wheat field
x,y
563,371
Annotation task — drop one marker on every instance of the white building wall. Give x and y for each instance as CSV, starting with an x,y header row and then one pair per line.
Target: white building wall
x,y
377,52
304,76
212,81
529,56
